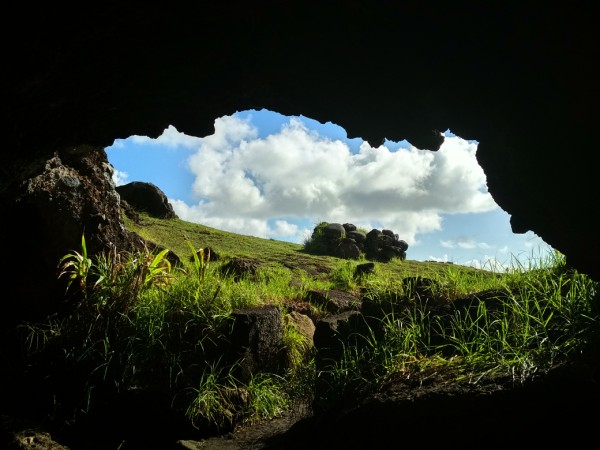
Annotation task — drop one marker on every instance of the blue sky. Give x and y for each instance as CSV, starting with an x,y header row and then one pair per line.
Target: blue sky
x,y
273,176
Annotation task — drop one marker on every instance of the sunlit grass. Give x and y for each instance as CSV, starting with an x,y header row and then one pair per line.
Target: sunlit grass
x,y
145,323
541,316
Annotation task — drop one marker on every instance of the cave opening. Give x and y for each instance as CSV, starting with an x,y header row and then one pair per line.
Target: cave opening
x,y
265,174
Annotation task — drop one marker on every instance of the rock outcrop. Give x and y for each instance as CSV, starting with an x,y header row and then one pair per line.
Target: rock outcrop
x,y
147,197
345,241
61,198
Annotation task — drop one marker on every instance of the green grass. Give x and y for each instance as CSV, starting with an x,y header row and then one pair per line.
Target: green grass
x,y
174,234
143,322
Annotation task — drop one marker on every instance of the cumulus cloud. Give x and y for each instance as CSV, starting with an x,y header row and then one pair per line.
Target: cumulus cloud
x,y
443,259
170,138
243,181
120,178
284,228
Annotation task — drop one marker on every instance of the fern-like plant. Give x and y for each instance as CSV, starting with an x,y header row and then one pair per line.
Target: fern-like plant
x,y
76,267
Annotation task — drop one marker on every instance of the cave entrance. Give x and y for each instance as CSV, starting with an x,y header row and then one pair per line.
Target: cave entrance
x,y
274,176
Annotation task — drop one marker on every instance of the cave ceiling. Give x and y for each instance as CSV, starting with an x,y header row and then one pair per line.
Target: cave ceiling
x,y
518,78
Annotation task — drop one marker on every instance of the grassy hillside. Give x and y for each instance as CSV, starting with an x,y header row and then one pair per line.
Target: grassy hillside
x,y
173,234
143,326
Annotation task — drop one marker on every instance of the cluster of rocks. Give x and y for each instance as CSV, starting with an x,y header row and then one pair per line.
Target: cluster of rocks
x,y
346,241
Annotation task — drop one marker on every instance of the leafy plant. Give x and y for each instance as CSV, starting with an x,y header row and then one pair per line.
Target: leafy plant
x,y
155,269
201,260
76,267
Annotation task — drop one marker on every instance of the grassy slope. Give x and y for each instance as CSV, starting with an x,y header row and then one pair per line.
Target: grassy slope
x,y
173,233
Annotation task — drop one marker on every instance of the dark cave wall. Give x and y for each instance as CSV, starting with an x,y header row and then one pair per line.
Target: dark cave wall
x,y
519,79
62,199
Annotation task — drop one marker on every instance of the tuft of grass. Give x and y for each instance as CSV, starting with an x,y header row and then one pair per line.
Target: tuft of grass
x,y
213,399
540,317
343,275
266,398
299,347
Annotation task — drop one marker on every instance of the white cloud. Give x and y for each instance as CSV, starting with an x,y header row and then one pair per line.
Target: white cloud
x,y
447,243
490,263
284,228
464,242
459,184
241,225
532,240
243,180
171,138
443,259
119,177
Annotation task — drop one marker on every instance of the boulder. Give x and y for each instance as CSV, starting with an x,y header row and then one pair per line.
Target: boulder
x,y
333,300
348,249
334,231
344,241
148,198
257,341
61,198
